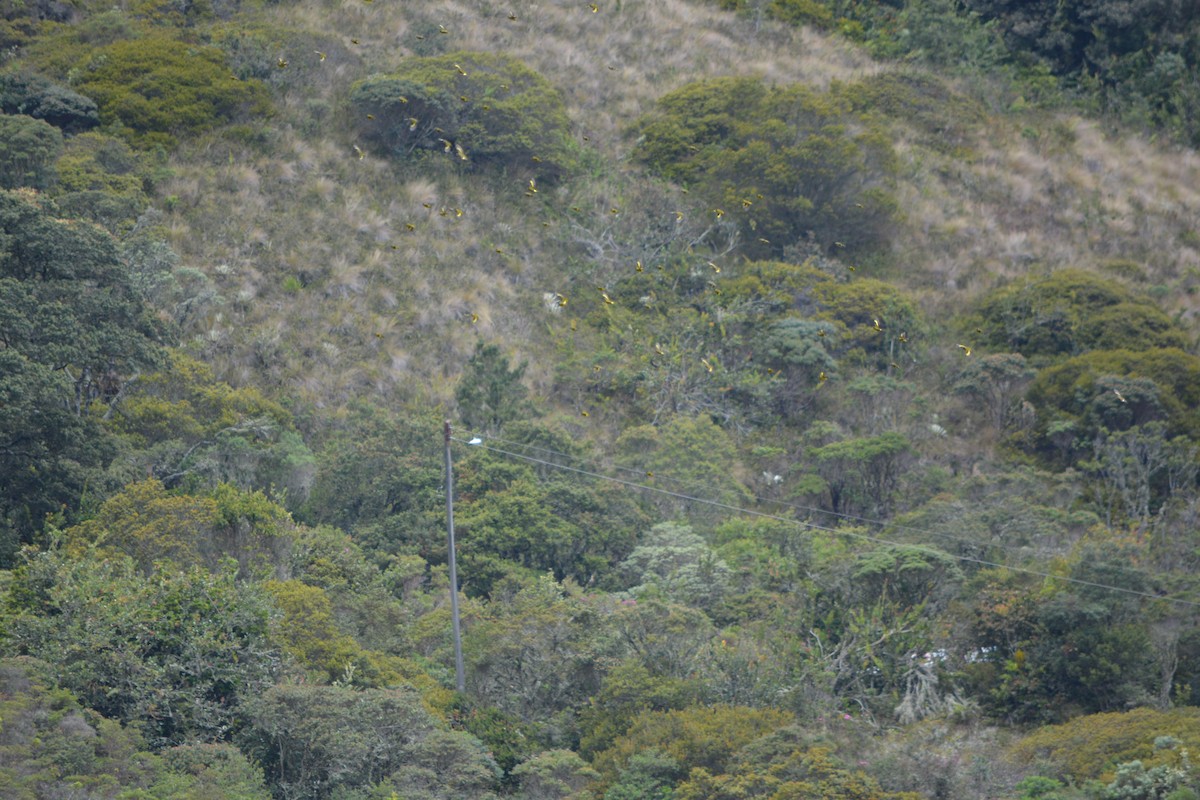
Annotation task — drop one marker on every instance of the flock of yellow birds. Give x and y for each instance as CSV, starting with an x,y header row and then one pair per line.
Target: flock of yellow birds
x,y
531,190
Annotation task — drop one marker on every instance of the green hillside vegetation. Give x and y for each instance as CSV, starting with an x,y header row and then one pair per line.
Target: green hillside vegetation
x,y
823,382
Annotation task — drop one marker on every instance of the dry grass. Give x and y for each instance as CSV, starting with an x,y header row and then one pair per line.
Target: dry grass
x,y
330,294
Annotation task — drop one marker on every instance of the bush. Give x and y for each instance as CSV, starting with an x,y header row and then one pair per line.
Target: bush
x,y
477,108
1070,312
786,163
41,98
156,89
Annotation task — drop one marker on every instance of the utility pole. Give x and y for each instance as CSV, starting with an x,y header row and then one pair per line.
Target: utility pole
x,y
460,681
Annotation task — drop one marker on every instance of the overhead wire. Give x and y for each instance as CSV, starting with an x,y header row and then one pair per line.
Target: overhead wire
x,y
881,524
482,445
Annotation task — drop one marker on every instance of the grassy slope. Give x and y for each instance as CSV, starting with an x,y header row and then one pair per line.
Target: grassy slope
x,y
388,311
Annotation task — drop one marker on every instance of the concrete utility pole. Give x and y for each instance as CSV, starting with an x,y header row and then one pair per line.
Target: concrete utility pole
x,y
460,681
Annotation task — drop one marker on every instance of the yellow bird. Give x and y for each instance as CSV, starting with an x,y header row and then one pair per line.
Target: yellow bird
x,y
412,123
583,413
448,145
719,212
562,300
904,338
532,186
410,226
458,212
512,16
461,71
747,203
281,62
638,266
1120,396
707,365
370,116
461,153
593,7
839,244
821,379
442,29
878,327
658,348
321,56
614,210
608,301
474,318
966,350
715,268
361,154
537,159
679,216
821,332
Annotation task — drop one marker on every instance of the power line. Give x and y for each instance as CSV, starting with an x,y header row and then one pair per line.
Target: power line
x,y
946,537
825,529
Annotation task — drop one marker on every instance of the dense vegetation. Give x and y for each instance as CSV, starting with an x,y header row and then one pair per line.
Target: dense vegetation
x,y
824,426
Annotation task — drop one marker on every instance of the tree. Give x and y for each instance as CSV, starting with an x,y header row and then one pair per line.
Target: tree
x,y
39,97
28,149
861,473
176,653
997,381
674,561
553,775
490,393
317,741
72,332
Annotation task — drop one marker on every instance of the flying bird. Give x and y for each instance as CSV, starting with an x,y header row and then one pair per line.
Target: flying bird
x,y
707,365
361,154
1120,396
593,7
321,56
281,62
966,350
461,71
877,326
821,380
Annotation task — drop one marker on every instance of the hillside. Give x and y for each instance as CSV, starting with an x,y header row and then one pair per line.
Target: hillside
x,y
823,380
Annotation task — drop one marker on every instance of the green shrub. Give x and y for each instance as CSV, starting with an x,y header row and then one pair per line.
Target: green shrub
x,y
156,89
1072,311
785,163
475,108
41,98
